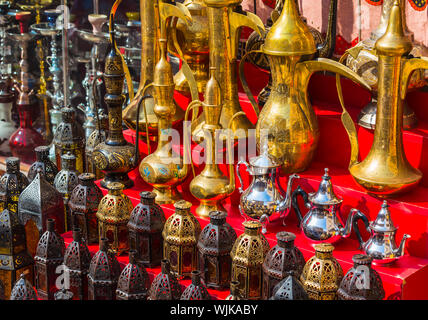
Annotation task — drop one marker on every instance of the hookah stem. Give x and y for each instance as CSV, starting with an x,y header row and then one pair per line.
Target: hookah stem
x,y
65,52
96,7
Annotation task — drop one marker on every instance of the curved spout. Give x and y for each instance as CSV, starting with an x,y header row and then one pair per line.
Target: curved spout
x,y
286,202
326,49
399,252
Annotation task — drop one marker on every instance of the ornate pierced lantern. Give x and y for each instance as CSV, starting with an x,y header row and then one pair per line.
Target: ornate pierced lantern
x,y
14,257
134,281
70,137
235,294
96,137
77,259
23,290
49,255
361,282
196,290
63,294
83,204
180,235
145,230
104,272
113,215
65,181
215,243
11,185
37,203
165,285
322,274
248,254
49,169
289,288
280,260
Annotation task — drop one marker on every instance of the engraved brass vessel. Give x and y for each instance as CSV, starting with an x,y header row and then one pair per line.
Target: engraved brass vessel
x,y
386,171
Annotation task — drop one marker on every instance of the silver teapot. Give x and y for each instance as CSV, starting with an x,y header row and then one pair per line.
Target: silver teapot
x,y
323,223
262,199
381,245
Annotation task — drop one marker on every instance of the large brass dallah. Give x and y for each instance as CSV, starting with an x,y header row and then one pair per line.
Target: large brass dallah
x,y
287,117
386,171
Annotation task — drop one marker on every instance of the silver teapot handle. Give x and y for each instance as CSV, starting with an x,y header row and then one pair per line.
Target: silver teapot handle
x,y
358,215
241,188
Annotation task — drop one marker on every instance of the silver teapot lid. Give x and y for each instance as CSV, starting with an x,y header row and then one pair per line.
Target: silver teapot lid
x,y
383,222
325,195
264,160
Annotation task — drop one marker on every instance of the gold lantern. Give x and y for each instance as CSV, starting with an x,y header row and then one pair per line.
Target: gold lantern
x,y
180,235
322,274
248,253
113,215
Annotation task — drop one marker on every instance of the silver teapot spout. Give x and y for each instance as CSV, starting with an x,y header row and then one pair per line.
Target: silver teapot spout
x,y
399,252
285,204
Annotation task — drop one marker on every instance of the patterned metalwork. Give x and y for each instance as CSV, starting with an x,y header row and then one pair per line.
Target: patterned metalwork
x,y
235,294
361,282
196,290
70,137
14,257
77,260
49,255
63,294
113,216
98,136
165,285
322,274
282,259
37,203
134,280
248,254
83,204
11,185
104,272
23,290
49,169
145,230
65,181
289,288
180,235
215,243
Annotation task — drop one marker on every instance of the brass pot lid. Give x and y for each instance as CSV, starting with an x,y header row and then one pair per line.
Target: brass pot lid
x,y
325,195
383,222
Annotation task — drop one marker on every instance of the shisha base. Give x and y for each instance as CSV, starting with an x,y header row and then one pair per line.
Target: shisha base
x,y
117,177
166,195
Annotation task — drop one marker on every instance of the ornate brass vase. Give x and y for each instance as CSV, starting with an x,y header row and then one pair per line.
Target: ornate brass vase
x,y
385,171
12,183
287,117
248,253
322,274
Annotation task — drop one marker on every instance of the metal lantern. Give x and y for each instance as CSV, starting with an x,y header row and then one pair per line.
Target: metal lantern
x,y
280,260
11,185
63,294
49,169
235,294
14,257
23,290
322,274
361,282
70,137
77,259
134,281
215,243
83,204
104,272
65,181
248,254
96,137
180,235
165,285
196,290
37,203
289,288
49,255
145,230
1,291
113,215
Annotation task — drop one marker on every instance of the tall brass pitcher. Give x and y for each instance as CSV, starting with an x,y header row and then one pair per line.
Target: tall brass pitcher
x,y
386,171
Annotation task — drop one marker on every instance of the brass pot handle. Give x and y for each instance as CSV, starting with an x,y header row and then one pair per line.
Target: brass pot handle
x,y
192,105
145,116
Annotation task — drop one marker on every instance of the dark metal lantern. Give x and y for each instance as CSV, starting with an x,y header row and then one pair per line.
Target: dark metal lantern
x,y
63,294
104,272
49,169
83,204
145,230
165,285
215,243
289,288
23,290
235,294
96,137
280,260
196,290
49,255
11,185
134,281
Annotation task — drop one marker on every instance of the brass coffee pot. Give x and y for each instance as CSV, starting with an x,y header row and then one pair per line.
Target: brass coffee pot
x,y
262,199
386,171
381,244
322,223
287,117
